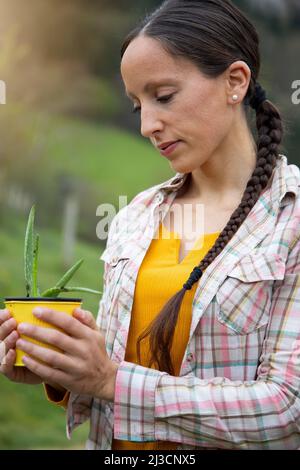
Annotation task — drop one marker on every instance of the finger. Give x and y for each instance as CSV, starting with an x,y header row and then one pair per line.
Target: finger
x,y
50,336
10,341
7,327
7,363
52,358
62,320
47,374
86,318
4,315
3,351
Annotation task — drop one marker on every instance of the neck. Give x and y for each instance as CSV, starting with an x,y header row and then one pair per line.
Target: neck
x,y
222,179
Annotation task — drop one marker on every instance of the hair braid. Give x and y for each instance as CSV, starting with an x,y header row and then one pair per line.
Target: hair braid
x,y
212,34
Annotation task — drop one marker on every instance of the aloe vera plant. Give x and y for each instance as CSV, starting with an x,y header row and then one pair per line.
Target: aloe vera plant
x,y
31,251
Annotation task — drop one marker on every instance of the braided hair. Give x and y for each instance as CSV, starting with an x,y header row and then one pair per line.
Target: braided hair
x,y
212,34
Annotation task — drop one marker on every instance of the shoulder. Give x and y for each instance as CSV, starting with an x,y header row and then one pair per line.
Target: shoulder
x,y
285,195
285,190
290,174
293,177
124,223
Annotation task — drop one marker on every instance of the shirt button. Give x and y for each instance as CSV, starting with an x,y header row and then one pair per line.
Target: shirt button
x,y
190,357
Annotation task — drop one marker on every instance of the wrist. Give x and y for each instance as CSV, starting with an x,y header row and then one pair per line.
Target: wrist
x,y
108,390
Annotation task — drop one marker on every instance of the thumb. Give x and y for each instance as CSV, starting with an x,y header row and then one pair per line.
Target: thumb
x,y
85,317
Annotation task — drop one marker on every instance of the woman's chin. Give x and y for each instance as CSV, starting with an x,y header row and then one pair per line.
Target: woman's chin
x,y
180,167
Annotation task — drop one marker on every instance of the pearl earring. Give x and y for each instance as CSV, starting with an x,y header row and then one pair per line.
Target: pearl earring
x,y
235,97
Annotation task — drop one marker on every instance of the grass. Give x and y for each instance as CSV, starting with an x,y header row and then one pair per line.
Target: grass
x,y
29,421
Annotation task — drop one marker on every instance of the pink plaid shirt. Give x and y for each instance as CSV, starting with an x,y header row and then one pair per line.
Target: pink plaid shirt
x,y
240,376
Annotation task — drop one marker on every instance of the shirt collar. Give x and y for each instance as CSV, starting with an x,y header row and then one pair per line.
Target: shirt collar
x,y
286,180
175,183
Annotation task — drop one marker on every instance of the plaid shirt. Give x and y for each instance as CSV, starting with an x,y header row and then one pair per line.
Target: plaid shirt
x,y
239,381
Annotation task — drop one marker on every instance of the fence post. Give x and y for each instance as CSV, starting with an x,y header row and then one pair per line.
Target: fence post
x,y
2,92
70,219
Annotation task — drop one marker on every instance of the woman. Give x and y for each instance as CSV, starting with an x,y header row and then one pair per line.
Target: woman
x,y
201,328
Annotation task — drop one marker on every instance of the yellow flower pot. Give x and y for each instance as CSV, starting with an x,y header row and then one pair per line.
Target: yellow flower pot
x,y
21,310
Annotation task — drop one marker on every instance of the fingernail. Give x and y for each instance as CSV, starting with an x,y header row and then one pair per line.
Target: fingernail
x,y
80,314
38,312
22,327
20,343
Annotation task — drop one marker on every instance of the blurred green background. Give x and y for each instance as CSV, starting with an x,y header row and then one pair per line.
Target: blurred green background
x,y
70,143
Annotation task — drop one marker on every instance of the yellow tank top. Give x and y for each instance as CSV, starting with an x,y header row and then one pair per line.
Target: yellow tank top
x,y
161,263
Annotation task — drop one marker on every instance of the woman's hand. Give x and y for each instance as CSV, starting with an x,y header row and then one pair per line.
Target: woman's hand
x,y
8,339
82,364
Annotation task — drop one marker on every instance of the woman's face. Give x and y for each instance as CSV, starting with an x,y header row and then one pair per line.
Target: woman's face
x,y
176,102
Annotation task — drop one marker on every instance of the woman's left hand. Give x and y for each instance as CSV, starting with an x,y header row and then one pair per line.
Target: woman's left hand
x,y
83,366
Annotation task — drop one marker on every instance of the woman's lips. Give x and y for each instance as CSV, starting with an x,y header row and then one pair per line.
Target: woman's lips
x,y
170,149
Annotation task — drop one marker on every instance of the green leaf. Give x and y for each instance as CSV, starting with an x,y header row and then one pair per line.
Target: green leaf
x,y
82,289
53,292
69,274
28,251
35,291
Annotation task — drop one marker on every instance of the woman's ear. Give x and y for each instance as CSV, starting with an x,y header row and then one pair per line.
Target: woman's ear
x,y
238,77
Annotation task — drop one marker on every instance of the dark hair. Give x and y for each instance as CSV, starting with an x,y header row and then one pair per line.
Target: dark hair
x,y
212,34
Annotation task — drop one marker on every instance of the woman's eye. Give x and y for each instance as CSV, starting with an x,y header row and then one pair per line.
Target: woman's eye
x,y
165,99
162,99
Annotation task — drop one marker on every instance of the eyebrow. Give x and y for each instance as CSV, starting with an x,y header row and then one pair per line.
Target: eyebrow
x,y
154,84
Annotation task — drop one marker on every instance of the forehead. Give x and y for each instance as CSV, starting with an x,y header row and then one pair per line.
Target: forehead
x,y
146,50
145,60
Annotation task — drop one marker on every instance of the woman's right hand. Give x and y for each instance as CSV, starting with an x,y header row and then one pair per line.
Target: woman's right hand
x,y
9,336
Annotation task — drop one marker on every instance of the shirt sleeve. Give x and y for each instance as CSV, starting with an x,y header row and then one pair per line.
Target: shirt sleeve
x,y
56,397
259,414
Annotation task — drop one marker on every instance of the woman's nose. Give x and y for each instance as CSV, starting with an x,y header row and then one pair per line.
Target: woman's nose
x,y
150,123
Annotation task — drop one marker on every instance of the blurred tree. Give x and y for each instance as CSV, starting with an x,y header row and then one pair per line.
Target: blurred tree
x,y
278,15
55,53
